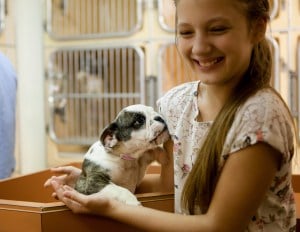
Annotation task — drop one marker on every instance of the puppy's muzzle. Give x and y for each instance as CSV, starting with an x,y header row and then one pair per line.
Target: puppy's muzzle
x,y
161,136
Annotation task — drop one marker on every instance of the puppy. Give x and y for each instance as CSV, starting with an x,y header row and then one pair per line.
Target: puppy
x,y
116,164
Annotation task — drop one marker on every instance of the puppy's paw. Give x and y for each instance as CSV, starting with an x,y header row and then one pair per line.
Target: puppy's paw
x,y
121,194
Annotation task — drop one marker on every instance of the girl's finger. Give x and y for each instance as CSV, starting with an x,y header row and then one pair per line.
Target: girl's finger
x,y
48,182
68,188
74,206
62,170
54,195
75,196
58,179
58,188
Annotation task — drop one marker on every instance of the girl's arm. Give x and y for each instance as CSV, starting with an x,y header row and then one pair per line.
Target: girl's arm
x,y
242,186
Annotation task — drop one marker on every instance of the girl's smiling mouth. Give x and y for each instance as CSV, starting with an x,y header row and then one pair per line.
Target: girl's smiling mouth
x,y
208,64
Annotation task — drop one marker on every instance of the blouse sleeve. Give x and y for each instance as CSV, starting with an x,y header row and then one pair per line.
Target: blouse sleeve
x,y
174,102
264,118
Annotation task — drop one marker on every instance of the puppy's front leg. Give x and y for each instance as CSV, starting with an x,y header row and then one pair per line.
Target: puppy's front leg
x,y
121,194
155,154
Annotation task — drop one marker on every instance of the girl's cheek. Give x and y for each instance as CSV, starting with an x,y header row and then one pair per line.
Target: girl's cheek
x,y
183,48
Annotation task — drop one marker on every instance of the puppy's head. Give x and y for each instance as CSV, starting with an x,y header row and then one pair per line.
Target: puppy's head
x,y
136,129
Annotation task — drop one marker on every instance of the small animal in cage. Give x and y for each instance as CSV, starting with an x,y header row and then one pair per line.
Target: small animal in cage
x,y
117,163
89,83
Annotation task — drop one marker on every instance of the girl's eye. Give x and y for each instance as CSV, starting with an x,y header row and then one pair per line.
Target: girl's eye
x,y
184,33
218,29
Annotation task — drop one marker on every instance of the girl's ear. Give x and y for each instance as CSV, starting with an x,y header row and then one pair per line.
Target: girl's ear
x,y
259,28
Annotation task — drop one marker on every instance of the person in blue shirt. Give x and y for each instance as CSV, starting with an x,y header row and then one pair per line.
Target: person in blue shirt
x,y
8,88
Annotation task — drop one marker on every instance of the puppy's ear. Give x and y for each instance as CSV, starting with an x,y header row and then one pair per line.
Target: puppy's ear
x,y
108,137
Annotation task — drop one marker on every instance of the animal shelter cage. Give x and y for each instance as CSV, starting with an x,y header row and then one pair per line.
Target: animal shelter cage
x,y
87,86
78,19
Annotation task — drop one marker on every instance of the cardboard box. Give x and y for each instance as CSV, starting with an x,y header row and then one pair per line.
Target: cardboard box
x,y
25,205
296,187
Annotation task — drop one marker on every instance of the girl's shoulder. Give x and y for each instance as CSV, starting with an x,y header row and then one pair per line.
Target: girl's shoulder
x,y
264,117
177,102
184,88
265,101
180,93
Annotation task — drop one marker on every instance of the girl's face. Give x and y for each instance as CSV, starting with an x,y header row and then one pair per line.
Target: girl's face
x,y
214,38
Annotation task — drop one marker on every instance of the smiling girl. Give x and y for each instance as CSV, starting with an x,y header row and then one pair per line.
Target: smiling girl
x,y
232,134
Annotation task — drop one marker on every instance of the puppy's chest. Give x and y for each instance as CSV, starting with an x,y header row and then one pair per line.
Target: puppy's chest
x,y
114,165
124,169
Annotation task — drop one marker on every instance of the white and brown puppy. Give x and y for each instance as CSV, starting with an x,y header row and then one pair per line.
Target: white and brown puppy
x,y
116,164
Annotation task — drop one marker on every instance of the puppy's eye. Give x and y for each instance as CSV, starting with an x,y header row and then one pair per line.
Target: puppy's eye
x,y
136,123
139,121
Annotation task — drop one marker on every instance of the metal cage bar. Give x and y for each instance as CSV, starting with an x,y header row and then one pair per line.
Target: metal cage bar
x,y
87,87
172,70
166,15
274,8
81,19
275,82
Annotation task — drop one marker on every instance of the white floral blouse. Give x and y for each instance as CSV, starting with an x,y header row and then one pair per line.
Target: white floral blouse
x,y
262,118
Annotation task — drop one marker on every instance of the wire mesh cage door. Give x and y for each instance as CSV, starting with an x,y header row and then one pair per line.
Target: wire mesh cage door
x,y
81,19
172,70
88,87
166,12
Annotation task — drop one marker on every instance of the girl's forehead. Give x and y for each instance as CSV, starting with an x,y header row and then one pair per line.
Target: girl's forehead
x,y
208,4
208,10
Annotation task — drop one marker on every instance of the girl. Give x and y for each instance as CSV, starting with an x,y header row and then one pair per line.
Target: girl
x,y
232,134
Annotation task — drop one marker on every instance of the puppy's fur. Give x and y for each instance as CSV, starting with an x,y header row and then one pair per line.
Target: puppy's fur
x,y
116,164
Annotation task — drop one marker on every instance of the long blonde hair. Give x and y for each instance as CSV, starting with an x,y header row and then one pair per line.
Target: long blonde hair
x,y
200,184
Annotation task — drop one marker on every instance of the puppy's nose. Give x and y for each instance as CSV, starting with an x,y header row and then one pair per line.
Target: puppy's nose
x,y
159,119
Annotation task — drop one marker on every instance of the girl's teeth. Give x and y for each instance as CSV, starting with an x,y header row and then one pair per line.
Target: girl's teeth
x,y
206,64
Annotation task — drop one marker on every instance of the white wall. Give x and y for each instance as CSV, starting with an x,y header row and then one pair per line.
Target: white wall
x,y
30,66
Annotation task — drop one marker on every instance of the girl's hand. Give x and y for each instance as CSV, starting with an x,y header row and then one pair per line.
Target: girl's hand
x,y
65,175
163,182
79,203
163,155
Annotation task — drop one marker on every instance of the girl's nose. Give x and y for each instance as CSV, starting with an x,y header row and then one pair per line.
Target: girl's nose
x,y
201,44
